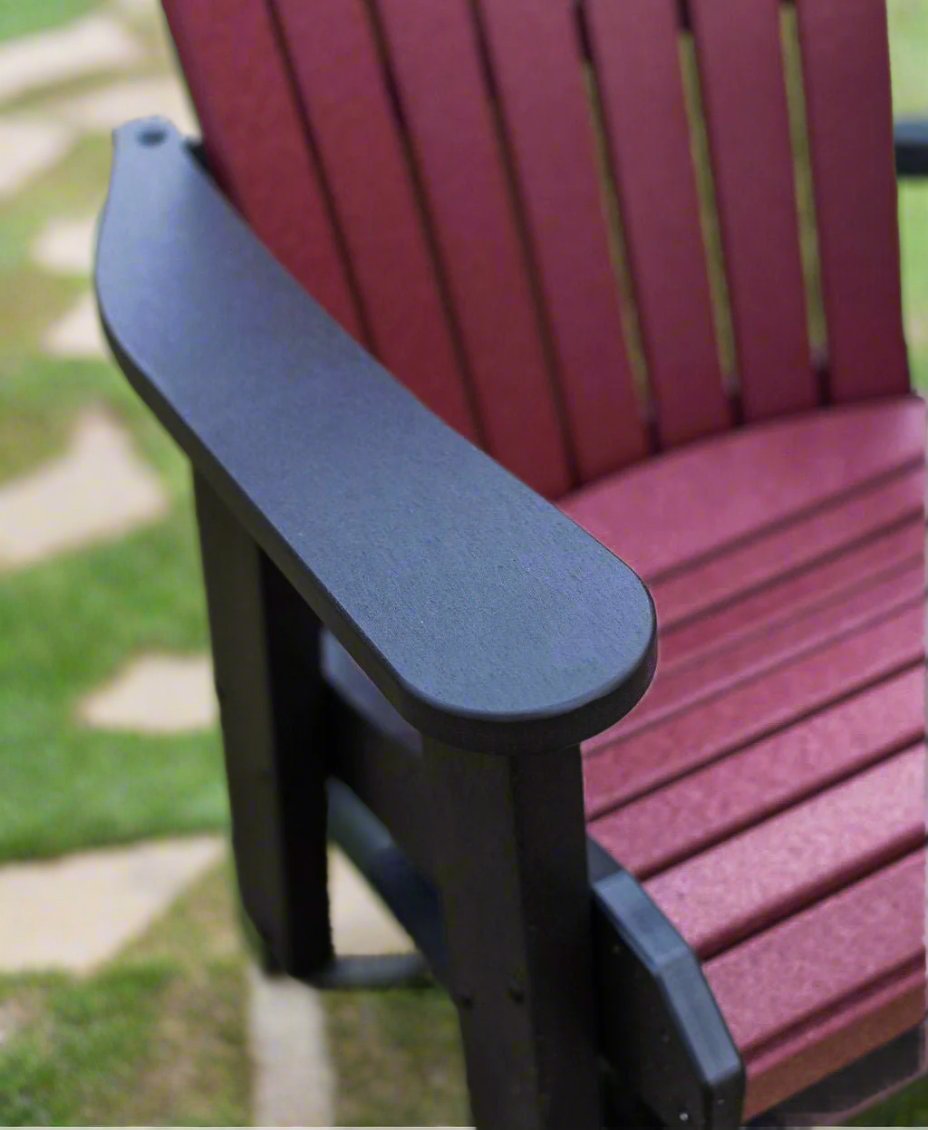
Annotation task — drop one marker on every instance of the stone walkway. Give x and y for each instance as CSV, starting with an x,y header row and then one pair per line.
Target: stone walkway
x,y
76,913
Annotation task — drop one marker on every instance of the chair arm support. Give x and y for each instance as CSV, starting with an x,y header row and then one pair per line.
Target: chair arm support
x,y
488,618
911,141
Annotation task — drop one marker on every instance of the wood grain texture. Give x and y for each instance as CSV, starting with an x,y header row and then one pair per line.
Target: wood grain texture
x,y
845,56
763,875
334,57
840,962
714,494
744,95
706,807
841,530
714,672
636,55
617,770
535,55
435,53
256,144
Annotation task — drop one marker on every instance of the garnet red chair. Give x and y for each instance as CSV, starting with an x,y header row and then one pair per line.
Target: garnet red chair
x,y
572,231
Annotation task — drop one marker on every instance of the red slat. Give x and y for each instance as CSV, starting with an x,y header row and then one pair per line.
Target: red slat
x,y
730,664
255,142
617,770
537,61
436,57
836,529
827,966
869,1020
744,95
687,504
759,877
335,61
637,60
687,816
845,58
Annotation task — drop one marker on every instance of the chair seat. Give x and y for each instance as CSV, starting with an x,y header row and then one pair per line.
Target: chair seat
x,y
769,789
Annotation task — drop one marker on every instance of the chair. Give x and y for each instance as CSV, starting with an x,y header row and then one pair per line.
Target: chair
x,y
636,264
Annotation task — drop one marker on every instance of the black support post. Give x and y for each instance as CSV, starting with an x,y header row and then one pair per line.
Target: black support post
x,y
272,703
513,877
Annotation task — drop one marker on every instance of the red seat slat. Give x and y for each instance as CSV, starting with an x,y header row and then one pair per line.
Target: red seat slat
x,y
849,106
786,862
845,527
744,93
435,54
335,62
689,815
536,58
636,53
866,1021
618,770
821,965
687,504
729,664
255,142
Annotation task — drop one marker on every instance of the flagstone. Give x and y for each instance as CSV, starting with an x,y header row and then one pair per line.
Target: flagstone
x,y
293,1083
99,489
28,147
77,333
155,694
76,912
109,106
361,924
65,247
97,42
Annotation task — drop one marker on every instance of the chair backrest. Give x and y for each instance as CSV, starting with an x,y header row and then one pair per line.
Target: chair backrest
x,y
580,230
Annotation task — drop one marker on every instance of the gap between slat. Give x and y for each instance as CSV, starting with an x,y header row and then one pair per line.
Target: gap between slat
x,y
615,227
709,215
524,236
805,196
426,220
315,156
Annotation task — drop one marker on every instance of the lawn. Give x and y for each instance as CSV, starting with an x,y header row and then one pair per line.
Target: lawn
x,y
158,1035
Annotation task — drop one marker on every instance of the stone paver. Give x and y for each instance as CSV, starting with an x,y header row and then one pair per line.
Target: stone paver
x,y
65,247
77,333
360,922
155,694
293,1083
97,490
29,146
95,43
76,912
109,106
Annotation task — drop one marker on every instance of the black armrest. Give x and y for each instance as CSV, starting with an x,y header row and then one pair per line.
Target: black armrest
x,y
911,139
489,619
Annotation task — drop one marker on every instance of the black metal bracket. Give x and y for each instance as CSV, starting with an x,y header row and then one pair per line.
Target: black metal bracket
x,y
660,1024
911,140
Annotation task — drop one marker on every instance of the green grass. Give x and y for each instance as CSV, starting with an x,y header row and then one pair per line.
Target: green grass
x,y
22,17
909,41
398,1058
155,1038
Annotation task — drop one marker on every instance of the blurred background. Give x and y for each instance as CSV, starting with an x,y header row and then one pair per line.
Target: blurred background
x,y
126,994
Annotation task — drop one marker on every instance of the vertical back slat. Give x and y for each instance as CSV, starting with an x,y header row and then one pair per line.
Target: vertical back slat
x,y
636,51
334,58
845,60
435,53
256,144
740,58
537,59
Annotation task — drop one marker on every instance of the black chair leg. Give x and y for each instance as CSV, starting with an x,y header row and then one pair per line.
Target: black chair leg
x,y
273,709
515,894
